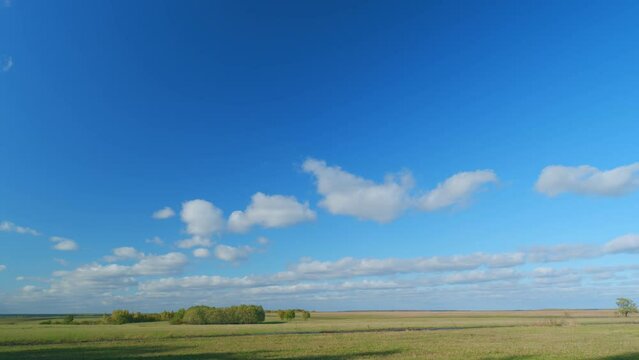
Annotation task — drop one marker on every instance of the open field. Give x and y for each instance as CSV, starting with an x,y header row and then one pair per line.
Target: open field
x,y
347,335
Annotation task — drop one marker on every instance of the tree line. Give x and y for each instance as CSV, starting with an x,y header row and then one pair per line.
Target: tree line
x,y
195,315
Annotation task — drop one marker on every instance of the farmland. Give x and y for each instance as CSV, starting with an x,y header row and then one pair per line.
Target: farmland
x,y
556,334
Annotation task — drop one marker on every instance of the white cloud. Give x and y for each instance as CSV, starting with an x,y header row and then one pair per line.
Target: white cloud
x,y
30,288
349,267
193,242
155,240
96,280
201,253
562,252
588,180
64,244
164,213
262,240
7,63
124,253
347,194
456,189
160,264
61,261
3,267
149,283
270,211
232,253
628,244
202,220
202,282
8,226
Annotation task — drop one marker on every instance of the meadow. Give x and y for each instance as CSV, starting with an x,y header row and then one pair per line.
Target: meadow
x,y
504,335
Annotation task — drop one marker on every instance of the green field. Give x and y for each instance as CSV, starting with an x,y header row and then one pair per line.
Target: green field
x,y
347,335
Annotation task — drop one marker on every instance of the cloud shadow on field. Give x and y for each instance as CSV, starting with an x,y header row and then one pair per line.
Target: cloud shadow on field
x,y
155,353
626,356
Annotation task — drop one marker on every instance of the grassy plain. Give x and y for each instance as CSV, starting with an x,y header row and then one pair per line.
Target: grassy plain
x,y
507,335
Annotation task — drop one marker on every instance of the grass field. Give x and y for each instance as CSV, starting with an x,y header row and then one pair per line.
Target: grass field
x,y
349,335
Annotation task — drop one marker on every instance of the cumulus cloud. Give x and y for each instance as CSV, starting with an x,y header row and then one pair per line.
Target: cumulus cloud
x,y
201,253
347,194
423,279
270,211
562,252
588,180
628,244
63,244
3,267
456,189
8,226
232,253
160,264
202,220
124,253
164,213
96,280
349,267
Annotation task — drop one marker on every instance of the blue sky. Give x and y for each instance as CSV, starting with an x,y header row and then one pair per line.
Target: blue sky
x,y
324,155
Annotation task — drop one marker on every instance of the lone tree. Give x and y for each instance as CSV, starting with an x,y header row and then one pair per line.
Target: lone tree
x,y
626,307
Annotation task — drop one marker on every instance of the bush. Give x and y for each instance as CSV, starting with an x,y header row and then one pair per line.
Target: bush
x,y
306,315
201,315
120,317
68,319
46,322
286,315
177,317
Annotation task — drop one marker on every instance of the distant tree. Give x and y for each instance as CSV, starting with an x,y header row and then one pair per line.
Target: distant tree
x,y
289,315
286,315
306,315
68,319
120,317
626,307
178,316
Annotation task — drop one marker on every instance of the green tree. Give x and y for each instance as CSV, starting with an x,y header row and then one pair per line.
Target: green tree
x,y
68,319
286,315
306,315
626,307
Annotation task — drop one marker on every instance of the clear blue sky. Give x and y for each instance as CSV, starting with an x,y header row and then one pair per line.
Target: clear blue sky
x,y
343,117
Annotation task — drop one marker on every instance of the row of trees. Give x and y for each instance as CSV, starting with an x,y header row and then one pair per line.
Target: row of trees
x,y
288,315
201,315
197,315
119,317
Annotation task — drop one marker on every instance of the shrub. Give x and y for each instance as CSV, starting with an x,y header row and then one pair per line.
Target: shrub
x,y
286,315
68,319
120,317
306,315
46,322
177,317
